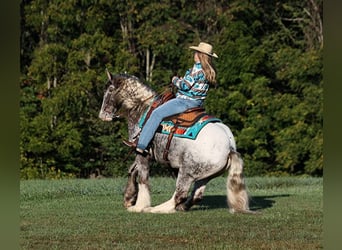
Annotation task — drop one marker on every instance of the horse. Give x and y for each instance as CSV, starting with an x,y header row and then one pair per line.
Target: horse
x,y
210,155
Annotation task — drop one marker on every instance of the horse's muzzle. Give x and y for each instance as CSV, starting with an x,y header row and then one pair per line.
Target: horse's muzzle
x,y
105,117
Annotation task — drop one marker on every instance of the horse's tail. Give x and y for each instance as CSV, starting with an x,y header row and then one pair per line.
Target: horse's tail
x,y
237,196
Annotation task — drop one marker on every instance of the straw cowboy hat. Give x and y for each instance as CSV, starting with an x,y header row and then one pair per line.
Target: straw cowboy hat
x,y
205,48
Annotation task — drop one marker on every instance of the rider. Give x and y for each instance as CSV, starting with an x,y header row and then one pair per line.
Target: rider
x,y
191,92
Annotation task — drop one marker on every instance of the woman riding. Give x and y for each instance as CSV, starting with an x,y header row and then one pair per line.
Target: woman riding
x,y
191,92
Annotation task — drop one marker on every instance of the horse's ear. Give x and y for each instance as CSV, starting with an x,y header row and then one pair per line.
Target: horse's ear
x,y
109,75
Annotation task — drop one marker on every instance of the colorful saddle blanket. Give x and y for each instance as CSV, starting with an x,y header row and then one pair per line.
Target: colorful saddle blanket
x,y
187,132
168,126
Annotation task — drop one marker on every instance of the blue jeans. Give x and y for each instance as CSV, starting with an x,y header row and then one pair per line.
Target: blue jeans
x,y
172,107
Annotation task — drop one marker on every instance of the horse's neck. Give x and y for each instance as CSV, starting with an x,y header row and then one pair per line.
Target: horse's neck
x,y
142,99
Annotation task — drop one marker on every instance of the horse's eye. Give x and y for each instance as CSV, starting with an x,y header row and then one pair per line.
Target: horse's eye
x,y
111,88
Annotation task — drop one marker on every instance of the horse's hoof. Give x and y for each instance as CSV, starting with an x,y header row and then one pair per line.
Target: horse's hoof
x,y
232,211
135,209
147,210
158,211
182,208
128,204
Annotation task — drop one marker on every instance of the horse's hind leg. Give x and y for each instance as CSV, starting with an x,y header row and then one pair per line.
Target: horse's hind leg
x,y
178,198
196,194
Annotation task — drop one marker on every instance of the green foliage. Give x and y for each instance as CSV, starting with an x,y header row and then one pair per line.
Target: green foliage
x,y
51,173
270,86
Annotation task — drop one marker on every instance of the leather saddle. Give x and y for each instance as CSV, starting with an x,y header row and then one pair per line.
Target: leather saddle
x,y
188,117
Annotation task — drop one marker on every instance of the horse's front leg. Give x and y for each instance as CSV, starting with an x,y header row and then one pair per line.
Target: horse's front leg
x,y
143,198
131,189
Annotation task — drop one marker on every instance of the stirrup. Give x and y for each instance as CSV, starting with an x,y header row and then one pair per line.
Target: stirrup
x,y
130,144
143,152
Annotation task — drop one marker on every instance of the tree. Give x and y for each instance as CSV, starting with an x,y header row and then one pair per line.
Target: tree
x,y
270,83
269,78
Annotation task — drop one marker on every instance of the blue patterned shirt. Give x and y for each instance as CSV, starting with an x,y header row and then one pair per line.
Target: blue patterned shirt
x,y
193,85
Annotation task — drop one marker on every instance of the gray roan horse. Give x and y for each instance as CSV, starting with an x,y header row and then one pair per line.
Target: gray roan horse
x,y
198,161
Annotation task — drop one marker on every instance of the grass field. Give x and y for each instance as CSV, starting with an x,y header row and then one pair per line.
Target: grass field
x,y
88,214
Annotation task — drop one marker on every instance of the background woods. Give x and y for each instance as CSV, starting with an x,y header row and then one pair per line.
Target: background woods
x,y
270,86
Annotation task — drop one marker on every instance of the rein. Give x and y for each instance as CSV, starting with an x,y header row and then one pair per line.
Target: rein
x,y
158,95
148,98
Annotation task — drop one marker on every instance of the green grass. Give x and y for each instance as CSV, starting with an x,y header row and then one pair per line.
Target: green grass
x,y
88,214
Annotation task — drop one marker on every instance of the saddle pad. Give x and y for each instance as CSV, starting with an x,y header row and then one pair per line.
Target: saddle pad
x,y
183,132
186,132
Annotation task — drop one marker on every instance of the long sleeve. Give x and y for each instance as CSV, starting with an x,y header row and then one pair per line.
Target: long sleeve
x,y
193,85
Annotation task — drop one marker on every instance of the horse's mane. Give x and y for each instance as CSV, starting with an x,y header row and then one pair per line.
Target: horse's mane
x,y
133,90
124,76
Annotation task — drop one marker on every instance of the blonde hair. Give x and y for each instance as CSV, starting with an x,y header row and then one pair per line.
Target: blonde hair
x,y
208,67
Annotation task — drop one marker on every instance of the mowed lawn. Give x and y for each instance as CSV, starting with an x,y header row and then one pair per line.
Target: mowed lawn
x,y
89,214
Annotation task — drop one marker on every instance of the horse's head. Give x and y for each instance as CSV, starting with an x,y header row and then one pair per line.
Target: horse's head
x,y
124,93
110,103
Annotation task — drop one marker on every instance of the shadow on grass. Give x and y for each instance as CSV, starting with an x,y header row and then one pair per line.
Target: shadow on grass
x,y
220,201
